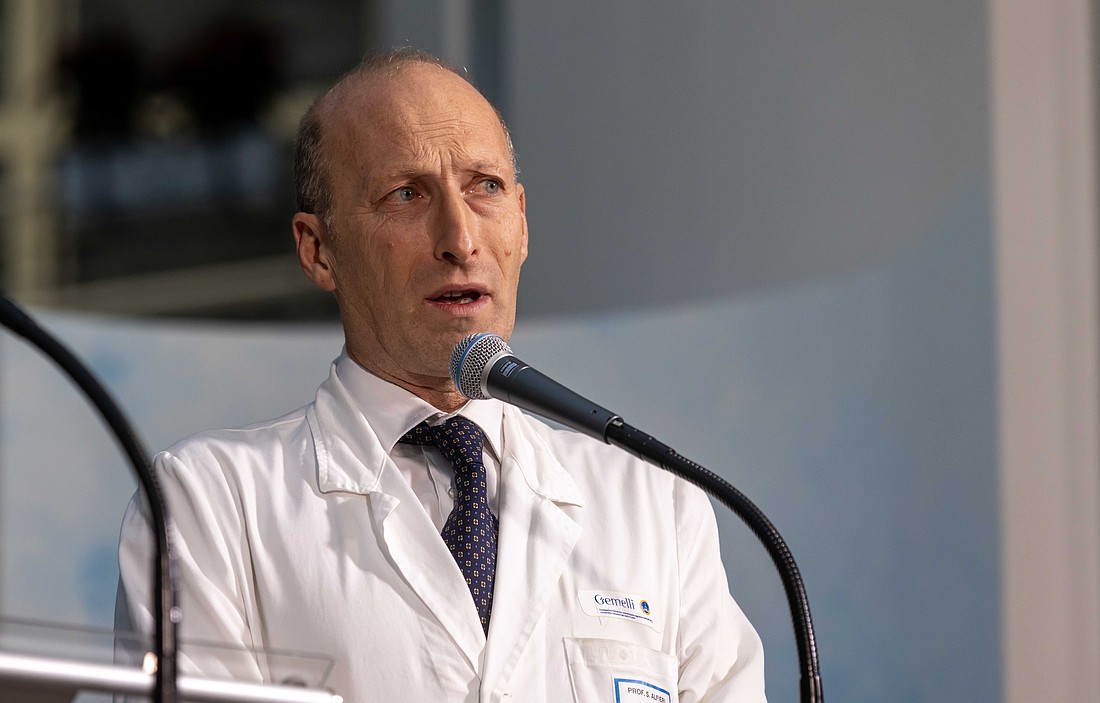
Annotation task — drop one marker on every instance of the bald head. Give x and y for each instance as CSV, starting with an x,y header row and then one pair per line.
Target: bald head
x,y
368,85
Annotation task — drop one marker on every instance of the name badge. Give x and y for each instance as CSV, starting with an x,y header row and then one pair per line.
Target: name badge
x,y
615,604
638,691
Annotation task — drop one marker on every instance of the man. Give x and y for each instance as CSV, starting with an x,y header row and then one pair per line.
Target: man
x,y
566,570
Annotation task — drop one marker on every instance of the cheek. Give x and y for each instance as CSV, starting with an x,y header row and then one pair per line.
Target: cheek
x,y
519,252
509,260
513,248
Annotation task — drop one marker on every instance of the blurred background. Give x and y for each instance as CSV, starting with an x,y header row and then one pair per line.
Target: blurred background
x,y
857,237
152,150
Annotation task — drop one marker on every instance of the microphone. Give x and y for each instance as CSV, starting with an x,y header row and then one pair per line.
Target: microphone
x,y
482,367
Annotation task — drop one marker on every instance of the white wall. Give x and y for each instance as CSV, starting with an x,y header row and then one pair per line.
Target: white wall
x,y
1044,135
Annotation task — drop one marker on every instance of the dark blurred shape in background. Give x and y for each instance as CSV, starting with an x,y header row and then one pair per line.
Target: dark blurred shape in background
x,y
227,74
103,76
150,172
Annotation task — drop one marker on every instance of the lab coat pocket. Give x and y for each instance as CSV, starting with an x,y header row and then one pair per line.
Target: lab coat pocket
x,y
619,672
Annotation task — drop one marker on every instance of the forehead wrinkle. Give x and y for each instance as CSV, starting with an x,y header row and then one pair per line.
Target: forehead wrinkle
x,y
403,123
421,158
455,133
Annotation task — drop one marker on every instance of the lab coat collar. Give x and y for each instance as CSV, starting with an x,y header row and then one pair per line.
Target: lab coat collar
x,y
358,418
541,470
349,454
392,411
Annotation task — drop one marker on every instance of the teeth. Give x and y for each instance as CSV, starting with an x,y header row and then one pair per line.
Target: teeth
x,y
458,296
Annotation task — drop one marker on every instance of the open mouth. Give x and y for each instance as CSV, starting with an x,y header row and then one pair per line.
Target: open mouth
x,y
458,297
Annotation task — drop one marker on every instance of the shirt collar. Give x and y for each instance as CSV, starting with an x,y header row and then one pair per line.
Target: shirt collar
x,y
392,411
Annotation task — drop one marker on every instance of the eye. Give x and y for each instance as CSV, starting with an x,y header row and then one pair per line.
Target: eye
x,y
402,195
491,186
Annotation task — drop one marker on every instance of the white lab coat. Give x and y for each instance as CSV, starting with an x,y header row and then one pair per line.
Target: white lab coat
x,y
300,534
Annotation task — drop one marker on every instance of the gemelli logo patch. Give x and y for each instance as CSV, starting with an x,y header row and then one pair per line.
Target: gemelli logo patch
x,y
623,606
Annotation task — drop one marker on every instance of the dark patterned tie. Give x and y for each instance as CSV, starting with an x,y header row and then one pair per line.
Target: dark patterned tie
x,y
471,529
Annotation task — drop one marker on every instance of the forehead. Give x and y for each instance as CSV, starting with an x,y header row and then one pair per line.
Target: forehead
x,y
399,118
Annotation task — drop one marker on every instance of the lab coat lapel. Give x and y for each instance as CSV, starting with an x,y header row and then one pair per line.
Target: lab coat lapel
x,y
537,536
351,459
418,552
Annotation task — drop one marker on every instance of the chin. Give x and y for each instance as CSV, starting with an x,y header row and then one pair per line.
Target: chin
x,y
459,332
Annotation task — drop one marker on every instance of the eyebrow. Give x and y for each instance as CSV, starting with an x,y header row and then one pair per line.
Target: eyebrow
x,y
486,165
412,174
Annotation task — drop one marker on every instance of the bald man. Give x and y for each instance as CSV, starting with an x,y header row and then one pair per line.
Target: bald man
x,y
437,549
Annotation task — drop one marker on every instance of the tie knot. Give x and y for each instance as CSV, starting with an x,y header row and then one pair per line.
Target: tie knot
x,y
459,440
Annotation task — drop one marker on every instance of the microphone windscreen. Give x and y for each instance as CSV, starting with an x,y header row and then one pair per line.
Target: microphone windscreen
x,y
469,359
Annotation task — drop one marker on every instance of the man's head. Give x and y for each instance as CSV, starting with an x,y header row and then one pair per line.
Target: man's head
x,y
411,215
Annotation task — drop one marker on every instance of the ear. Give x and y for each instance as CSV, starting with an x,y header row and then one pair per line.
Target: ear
x,y
314,250
523,214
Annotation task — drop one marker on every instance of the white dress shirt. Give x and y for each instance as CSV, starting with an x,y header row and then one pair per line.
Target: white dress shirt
x,y
393,411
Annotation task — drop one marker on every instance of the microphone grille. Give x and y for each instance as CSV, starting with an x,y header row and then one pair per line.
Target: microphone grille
x,y
469,359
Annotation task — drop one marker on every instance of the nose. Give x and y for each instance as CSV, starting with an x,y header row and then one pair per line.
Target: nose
x,y
456,226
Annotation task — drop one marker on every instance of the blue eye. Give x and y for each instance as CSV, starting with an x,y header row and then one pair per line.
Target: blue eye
x,y
406,194
492,186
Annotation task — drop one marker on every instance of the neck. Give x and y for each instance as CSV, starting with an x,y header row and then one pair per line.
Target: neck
x,y
447,401
438,392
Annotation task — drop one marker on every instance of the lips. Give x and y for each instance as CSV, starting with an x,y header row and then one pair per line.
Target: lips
x,y
457,296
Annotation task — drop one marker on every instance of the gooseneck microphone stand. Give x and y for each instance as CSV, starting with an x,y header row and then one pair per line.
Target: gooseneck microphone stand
x,y
649,449
165,581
